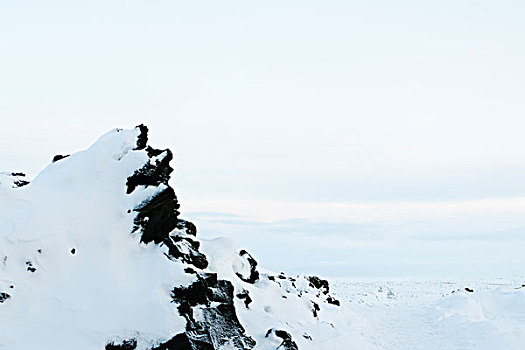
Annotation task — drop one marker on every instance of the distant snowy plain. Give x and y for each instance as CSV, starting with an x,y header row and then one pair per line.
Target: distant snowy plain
x,y
437,314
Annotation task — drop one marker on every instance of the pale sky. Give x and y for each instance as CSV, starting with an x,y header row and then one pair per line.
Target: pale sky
x,y
347,102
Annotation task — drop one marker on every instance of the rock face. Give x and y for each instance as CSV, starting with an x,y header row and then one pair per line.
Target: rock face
x,y
248,269
158,221
218,325
287,342
211,295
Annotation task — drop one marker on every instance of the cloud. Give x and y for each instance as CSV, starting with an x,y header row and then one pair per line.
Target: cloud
x,y
390,212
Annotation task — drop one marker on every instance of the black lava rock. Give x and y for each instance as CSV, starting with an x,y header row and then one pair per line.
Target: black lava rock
x,y
185,341
142,139
288,343
187,227
186,250
3,297
157,217
254,274
126,345
315,309
220,325
317,283
59,157
30,267
17,181
152,174
245,295
331,300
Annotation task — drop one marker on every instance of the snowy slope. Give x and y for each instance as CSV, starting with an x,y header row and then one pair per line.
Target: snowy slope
x,y
94,255
487,314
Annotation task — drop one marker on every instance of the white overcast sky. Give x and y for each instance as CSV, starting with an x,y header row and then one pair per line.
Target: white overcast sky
x,y
293,101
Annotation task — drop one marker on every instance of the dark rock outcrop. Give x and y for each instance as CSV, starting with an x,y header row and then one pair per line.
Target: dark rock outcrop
x,y
4,296
315,309
126,345
317,283
17,179
331,300
59,157
187,250
30,267
185,341
253,275
324,288
157,171
186,227
217,323
142,139
21,183
245,295
158,217
287,343
317,288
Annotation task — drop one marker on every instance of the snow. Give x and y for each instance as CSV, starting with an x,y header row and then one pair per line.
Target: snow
x,y
75,276
438,314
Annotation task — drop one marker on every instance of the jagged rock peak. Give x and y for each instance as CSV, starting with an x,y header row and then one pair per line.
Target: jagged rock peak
x,y
142,138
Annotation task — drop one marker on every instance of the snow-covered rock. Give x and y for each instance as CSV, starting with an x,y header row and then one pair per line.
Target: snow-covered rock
x,y
94,255
13,180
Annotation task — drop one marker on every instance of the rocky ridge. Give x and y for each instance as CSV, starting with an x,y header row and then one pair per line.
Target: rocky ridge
x,y
227,302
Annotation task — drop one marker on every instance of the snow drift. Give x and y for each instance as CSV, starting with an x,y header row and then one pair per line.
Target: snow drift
x,y
487,319
94,255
